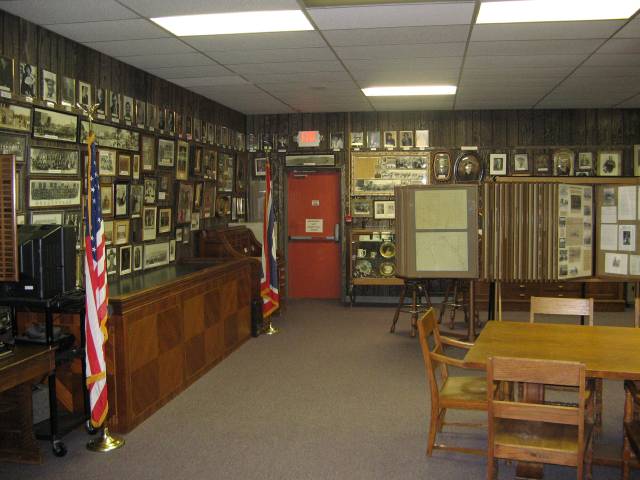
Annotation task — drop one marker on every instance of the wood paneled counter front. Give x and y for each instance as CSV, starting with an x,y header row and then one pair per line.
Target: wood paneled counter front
x,y
168,327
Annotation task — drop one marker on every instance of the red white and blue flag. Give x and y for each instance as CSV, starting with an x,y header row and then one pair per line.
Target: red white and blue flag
x,y
96,292
269,280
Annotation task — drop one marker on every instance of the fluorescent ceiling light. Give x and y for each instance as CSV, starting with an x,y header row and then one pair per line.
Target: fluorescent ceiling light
x,y
236,22
555,11
413,90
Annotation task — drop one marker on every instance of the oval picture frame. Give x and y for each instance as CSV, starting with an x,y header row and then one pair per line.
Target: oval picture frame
x,y
468,168
441,166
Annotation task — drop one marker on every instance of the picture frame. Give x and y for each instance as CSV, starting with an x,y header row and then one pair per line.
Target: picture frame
x,y
186,234
155,255
336,141
172,250
223,206
442,168
390,139
111,255
50,125
422,139
164,220
20,185
197,195
124,165
468,168
542,164
384,209
115,106
7,74
178,235
136,200
225,172
74,218
107,226
84,94
361,208
101,100
125,260
141,113
107,161
357,139
121,199
585,162
49,87
149,224
197,129
46,217
152,116
13,144
15,117
148,152
54,193
165,187
373,139
208,199
106,199
150,190
171,121
182,161
198,155
563,162
195,221
497,164
185,201
53,161
127,109
520,164
260,166
283,143
636,160
609,163
135,167
137,258
166,152
121,232
406,139
68,91
28,81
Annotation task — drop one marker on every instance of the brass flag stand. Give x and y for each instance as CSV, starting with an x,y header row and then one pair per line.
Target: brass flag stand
x,y
106,442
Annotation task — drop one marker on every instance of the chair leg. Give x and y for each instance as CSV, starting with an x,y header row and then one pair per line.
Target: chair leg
x,y
445,300
403,292
414,310
492,468
433,429
626,457
441,416
598,407
452,315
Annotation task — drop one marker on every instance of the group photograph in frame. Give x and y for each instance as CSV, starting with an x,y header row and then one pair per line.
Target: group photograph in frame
x,y
54,193
15,117
166,152
11,144
54,161
384,209
361,208
48,124
156,255
107,162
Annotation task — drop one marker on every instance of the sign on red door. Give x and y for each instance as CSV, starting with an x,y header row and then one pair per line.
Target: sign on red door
x,y
313,225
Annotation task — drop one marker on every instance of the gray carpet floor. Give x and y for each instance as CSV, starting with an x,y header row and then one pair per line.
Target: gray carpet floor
x,y
333,396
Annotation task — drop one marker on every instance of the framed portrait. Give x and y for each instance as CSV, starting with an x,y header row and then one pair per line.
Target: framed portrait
x,y
6,74
585,162
195,220
49,86
46,218
384,209
54,193
636,160
51,125
361,208
107,226
498,164
112,261
106,199
186,234
406,139
13,145
541,164
68,91
155,255
171,121
225,172
609,163
141,111
164,220
107,162
148,147
52,161
165,187
390,139
185,201
373,139
150,185
224,137
422,139
115,106
127,109
198,154
520,164
136,200
197,196
166,152
135,167
182,161
197,129
336,141
172,250
101,100
162,119
188,127
178,234
260,166
121,195
28,81
137,258
149,223
125,260
442,166
120,232
283,143
563,160
74,219
357,139
84,94
208,199
124,165
468,168
241,173
15,117
152,116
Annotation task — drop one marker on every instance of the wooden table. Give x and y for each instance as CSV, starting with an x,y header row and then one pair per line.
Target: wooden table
x,y
607,352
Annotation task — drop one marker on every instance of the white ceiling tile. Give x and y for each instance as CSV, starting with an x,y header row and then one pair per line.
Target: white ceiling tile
x,y
544,30
162,8
130,48
108,30
278,55
256,41
631,30
67,11
621,45
317,78
209,81
571,102
398,35
610,60
401,64
397,15
517,72
430,50
222,90
293,87
493,103
256,70
388,77
533,47
412,103
172,60
186,72
608,71
488,62
633,102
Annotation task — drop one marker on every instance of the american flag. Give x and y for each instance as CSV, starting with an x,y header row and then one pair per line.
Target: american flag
x,y
269,280
97,293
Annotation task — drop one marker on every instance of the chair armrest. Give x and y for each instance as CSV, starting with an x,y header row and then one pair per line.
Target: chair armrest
x,y
632,387
454,362
455,343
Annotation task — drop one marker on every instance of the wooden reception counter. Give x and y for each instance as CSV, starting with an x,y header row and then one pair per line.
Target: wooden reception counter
x,y
168,327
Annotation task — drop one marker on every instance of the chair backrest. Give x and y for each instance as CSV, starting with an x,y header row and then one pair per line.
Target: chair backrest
x,y
429,336
561,306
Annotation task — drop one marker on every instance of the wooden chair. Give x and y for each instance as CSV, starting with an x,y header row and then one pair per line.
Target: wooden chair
x,y
636,315
534,432
631,430
448,392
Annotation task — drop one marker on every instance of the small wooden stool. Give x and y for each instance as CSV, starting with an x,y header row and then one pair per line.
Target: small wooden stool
x,y
456,297
418,290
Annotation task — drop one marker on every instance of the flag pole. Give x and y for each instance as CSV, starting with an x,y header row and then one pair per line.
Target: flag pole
x,y
269,283
106,442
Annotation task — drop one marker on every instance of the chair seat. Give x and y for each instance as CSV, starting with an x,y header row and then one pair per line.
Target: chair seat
x,y
547,436
465,388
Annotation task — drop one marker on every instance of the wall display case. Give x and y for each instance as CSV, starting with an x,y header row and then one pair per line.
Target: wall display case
x,y
373,257
375,173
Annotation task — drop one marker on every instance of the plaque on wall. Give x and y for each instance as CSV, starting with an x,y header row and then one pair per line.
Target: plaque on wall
x,y
309,161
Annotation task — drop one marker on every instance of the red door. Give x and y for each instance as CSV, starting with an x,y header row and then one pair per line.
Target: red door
x,y
313,225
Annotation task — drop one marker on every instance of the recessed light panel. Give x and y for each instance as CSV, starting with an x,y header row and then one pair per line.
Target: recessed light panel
x,y
414,90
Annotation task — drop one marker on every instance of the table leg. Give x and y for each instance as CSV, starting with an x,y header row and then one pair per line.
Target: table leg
x,y
472,309
533,393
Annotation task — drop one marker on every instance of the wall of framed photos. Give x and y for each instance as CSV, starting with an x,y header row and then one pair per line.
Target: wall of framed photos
x,y
161,148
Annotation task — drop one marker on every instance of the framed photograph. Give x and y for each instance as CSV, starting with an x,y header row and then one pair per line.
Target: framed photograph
x,y
520,164
172,250
49,86
149,229
112,261
211,133
541,164
390,139
609,163
74,218
54,193
283,143
125,260
261,166
185,201
361,208
468,168
84,94
186,234
585,162
14,145
68,91
15,117
28,80
46,218
384,209
128,139
357,139
150,185
136,200
148,148
101,100
107,162
20,185
198,153
208,199
155,255
107,226
137,258
120,232
52,125
53,161
195,220
115,105
165,187
373,140
197,196
442,166
127,109
563,163
124,165
406,139
498,164
152,116
182,161
164,220
6,74
135,168
171,121
336,141
197,129
188,126
422,139
166,152
241,174
106,199
121,195
178,234
225,172
141,111
162,119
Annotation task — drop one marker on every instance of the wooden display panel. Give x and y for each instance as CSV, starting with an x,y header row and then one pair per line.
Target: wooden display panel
x,y
8,233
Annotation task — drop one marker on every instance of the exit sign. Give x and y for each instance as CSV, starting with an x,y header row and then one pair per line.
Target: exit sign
x,y
309,138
